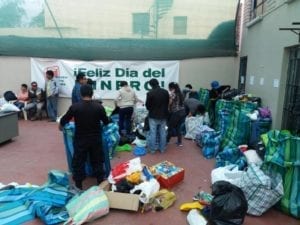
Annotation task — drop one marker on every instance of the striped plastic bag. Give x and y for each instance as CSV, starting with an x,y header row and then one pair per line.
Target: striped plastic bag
x,y
290,202
88,206
204,96
20,204
283,156
261,190
238,132
210,142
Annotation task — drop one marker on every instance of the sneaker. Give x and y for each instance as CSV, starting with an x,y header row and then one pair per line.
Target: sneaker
x,y
151,151
179,144
33,118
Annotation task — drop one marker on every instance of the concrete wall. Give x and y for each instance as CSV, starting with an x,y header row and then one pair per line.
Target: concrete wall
x,y
199,72
266,49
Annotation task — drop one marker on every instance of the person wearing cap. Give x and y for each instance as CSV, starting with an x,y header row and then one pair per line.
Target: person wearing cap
x,y
217,90
36,101
216,93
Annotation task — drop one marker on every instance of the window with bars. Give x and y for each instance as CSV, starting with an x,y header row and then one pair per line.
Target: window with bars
x,y
291,109
141,23
180,25
257,8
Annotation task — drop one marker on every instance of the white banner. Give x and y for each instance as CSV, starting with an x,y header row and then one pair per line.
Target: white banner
x,y
106,75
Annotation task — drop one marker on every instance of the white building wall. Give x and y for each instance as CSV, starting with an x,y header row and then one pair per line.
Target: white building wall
x,y
265,46
107,19
198,72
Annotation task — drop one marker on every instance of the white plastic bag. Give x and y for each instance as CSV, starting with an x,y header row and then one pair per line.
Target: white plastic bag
x,y
8,107
228,173
192,126
252,157
195,218
2,101
147,188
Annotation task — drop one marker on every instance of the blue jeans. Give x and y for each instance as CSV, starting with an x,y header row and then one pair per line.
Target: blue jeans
x,y
52,107
157,135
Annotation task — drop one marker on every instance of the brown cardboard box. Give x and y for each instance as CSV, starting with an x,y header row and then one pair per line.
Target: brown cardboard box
x,y
119,200
124,201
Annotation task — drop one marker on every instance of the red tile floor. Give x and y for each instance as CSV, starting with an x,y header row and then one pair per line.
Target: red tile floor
x,y
39,148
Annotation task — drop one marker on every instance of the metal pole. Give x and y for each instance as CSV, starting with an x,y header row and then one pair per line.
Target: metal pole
x,y
53,18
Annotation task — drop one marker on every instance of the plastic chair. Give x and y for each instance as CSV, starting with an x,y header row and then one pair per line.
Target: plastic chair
x,y
24,111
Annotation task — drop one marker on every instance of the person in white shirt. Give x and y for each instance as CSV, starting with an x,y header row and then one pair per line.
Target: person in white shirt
x,y
52,96
126,100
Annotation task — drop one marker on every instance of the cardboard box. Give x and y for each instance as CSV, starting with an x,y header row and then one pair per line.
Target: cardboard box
x,y
105,185
167,174
119,200
124,201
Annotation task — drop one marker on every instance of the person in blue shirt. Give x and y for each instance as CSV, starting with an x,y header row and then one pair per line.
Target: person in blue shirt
x,y
80,80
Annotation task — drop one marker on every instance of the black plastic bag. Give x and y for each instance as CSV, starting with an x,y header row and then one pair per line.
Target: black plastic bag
x,y
229,205
9,96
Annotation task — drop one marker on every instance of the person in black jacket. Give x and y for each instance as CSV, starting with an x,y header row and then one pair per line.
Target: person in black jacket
x,y
157,102
88,115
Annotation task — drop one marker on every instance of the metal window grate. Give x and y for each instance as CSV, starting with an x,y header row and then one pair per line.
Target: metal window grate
x,y
291,110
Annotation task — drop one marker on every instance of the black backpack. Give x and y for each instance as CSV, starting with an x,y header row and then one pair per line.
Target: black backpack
x,y
9,96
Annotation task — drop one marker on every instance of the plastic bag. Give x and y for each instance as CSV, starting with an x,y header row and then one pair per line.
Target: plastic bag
x,y
229,205
147,188
261,190
121,170
265,112
195,218
88,206
228,173
252,157
8,107
160,200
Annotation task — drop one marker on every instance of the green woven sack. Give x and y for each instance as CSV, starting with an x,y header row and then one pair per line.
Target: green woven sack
x,y
290,203
222,105
246,107
283,156
238,131
204,97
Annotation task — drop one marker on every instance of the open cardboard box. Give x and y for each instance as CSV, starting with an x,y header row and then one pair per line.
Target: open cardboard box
x,y
119,200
